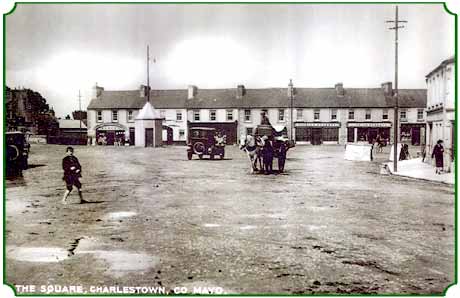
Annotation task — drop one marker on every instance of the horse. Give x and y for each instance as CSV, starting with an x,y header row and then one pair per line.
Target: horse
x,y
253,147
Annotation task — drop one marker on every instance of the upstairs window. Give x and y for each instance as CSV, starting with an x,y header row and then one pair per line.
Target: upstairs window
x,y
114,116
99,116
334,114
299,115
130,116
247,115
212,115
316,114
196,115
385,114
403,115
420,114
281,115
368,114
229,115
351,114
178,115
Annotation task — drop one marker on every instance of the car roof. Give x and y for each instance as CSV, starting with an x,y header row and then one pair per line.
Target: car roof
x,y
14,133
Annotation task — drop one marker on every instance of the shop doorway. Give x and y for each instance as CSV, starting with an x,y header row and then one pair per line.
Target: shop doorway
x,y
132,136
316,136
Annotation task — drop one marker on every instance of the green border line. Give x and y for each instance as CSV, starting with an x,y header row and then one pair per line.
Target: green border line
x,y
233,3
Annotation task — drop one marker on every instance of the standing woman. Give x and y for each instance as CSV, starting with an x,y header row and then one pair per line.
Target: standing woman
x,y
438,154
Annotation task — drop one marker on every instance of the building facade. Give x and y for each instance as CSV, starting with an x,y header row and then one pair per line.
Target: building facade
x,y
440,109
308,115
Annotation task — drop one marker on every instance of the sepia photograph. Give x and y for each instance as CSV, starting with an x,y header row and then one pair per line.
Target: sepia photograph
x,y
229,148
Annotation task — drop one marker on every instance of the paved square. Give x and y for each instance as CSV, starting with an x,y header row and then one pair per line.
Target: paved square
x,y
156,219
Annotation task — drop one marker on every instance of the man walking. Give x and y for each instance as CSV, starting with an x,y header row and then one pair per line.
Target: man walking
x,y
72,173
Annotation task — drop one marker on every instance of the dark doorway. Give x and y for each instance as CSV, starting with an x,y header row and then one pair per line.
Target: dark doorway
x,y
132,136
110,137
316,136
169,135
416,136
350,134
149,137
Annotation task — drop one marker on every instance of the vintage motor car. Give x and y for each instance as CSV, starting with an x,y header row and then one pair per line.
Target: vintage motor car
x,y
205,141
17,153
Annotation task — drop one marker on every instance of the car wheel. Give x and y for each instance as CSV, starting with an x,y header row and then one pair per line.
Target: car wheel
x,y
189,155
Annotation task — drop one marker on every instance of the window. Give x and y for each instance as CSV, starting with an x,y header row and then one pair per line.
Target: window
x,y
212,115
299,114
420,114
229,115
179,116
196,115
162,114
385,114
248,130
181,133
130,116
99,116
281,115
247,115
316,114
114,116
334,114
351,114
330,134
402,115
368,114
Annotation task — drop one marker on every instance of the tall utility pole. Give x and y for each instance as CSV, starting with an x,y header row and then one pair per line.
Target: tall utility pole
x,y
79,109
291,93
148,73
395,92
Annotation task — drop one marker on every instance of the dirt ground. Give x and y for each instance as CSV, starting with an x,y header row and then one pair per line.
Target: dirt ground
x,y
156,219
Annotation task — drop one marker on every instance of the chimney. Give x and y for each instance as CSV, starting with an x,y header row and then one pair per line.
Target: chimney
x,y
240,91
387,88
339,89
192,91
290,90
143,91
96,91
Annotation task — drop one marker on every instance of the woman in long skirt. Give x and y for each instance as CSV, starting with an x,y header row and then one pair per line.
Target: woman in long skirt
x,y
438,154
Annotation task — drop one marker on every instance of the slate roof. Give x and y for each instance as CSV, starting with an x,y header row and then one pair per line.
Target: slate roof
x,y
443,64
260,98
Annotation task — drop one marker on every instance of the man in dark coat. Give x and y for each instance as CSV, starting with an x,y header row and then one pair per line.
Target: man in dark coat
x,y
72,173
438,155
281,152
267,154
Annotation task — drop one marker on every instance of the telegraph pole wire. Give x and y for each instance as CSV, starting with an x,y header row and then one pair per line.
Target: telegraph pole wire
x,y
396,27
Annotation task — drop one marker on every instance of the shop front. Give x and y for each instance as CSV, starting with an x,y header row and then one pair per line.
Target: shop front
x,y
110,134
317,133
368,131
413,133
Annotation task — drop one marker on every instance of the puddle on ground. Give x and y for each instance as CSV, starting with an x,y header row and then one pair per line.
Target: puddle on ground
x,y
123,262
211,225
15,207
119,215
248,227
37,254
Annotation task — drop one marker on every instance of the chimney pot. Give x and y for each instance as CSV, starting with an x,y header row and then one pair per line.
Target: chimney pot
x,y
96,91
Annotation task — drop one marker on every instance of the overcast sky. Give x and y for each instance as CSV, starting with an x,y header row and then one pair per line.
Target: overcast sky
x,y
57,49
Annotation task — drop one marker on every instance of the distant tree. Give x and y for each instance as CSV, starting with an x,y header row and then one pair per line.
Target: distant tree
x,y
76,115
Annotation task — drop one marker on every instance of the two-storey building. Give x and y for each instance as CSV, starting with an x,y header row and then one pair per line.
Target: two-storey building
x,y
112,114
441,109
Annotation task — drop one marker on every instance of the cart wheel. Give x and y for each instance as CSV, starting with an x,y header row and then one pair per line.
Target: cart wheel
x,y
189,155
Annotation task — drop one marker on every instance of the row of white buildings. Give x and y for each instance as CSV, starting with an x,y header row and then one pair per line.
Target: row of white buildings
x,y
336,115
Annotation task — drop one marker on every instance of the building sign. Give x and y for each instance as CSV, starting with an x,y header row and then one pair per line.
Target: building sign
x,y
369,124
317,124
109,127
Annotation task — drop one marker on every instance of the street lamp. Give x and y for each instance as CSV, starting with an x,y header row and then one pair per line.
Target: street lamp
x,y
291,94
